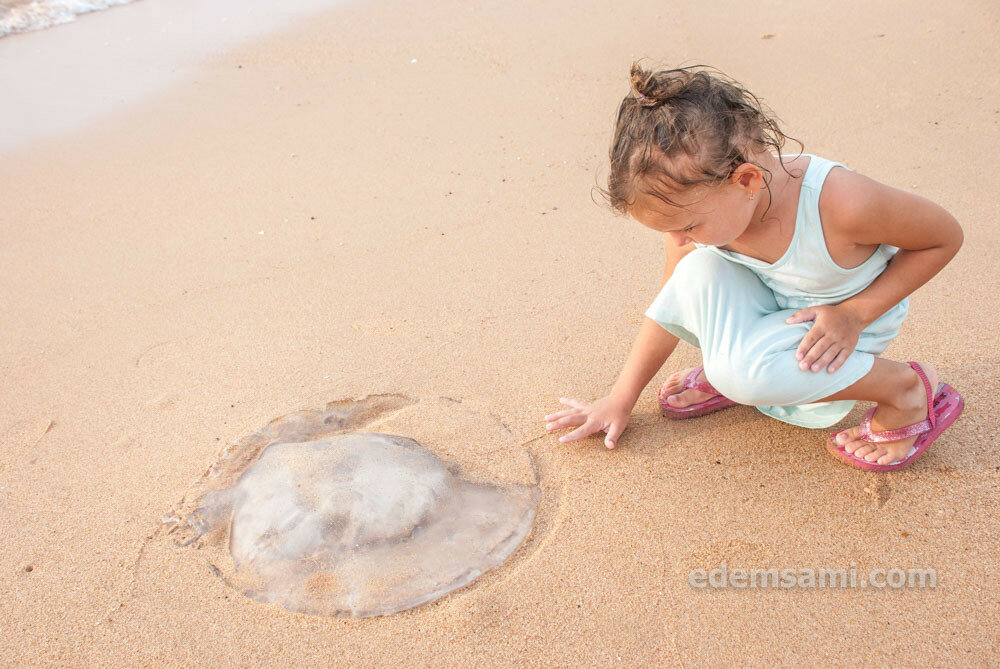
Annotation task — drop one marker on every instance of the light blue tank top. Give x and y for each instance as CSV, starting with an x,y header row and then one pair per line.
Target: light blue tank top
x,y
806,275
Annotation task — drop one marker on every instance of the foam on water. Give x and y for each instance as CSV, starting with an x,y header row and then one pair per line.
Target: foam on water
x,y
21,16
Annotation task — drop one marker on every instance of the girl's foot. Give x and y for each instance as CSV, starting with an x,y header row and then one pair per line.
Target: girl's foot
x,y
671,390
911,408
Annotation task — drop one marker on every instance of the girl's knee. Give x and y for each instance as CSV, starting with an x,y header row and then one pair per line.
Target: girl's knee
x,y
702,264
704,270
700,271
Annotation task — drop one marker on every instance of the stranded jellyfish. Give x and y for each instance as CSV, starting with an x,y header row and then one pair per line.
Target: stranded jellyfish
x,y
331,512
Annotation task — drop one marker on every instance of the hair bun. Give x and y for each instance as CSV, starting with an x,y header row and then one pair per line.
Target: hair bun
x,y
652,88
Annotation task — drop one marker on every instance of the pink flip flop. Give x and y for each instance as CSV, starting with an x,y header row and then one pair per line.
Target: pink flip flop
x,y
942,412
700,409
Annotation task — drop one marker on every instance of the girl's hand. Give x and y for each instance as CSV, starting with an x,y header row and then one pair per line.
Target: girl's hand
x,y
608,413
832,338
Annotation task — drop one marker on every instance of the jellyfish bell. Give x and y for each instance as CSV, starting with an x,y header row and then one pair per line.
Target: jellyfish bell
x,y
356,523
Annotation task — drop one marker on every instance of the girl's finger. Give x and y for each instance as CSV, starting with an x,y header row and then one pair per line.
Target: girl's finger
x,y
839,361
559,414
583,431
565,421
818,349
614,432
826,358
805,346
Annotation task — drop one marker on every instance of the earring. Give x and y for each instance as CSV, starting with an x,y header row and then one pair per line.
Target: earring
x,y
751,196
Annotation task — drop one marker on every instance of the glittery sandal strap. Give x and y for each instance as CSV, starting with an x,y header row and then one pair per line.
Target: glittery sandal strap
x,y
901,432
877,437
927,389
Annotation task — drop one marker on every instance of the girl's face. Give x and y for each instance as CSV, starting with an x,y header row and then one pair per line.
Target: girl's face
x,y
714,216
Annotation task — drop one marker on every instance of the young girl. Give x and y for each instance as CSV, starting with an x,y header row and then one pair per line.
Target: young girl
x,y
790,275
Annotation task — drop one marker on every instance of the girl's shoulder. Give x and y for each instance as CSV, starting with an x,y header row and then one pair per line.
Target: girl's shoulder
x,y
863,211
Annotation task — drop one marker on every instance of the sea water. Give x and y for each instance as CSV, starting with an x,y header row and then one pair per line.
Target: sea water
x,y
63,64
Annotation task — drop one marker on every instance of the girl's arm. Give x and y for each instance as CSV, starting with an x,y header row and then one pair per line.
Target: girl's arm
x,y
868,212
652,347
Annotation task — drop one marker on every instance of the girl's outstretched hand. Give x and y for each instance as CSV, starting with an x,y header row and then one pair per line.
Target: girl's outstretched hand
x,y
609,413
832,338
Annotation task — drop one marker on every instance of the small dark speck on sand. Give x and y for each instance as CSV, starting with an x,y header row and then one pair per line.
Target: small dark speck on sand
x,y
29,568
768,36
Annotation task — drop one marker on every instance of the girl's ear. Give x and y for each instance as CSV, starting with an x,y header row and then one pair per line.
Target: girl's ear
x,y
746,174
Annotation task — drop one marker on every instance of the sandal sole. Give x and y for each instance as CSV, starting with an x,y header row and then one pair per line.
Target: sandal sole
x,y
708,406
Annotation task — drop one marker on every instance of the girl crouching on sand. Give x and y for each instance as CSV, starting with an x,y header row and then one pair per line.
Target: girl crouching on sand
x,y
791,276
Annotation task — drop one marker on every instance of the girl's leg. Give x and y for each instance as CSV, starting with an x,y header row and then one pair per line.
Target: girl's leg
x,y
748,350
749,355
887,384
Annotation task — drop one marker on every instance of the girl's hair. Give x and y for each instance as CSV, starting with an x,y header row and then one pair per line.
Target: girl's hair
x,y
705,125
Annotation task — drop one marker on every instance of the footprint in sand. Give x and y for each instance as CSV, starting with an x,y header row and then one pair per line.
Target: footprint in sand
x,y
332,512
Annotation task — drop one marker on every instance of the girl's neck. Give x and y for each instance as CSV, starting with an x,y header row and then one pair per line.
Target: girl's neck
x,y
775,195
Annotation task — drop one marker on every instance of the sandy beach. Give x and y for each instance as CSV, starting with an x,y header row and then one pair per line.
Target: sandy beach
x,y
391,197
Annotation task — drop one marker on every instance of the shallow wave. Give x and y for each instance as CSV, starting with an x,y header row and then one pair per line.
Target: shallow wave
x,y
20,16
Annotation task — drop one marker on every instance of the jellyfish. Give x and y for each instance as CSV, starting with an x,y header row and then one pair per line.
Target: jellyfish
x,y
323,518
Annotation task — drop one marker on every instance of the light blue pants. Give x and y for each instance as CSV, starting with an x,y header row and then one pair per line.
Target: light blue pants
x,y
748,350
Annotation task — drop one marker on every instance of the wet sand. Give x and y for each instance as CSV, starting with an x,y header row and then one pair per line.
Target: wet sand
x,y
314,216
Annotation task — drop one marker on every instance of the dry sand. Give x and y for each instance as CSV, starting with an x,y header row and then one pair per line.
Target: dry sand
x,y
228,251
